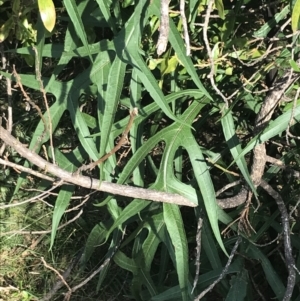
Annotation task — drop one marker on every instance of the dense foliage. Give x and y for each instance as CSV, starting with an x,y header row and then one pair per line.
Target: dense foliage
x,y
73,91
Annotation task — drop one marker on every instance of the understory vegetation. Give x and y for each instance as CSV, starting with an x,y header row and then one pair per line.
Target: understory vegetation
x,y
125,135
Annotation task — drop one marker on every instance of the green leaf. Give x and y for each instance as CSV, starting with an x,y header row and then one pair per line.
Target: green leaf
x,y
204,181
173,294
175,227
116,240
235,147
105,9
169,65
75,17
129,51
39,46
79,83
61,203
238,289
125,262
220,8
293,64
156,226
209,246
273,129
271,275
135,207
266,28
47,13
96,238
178,135
179,48
5,29
112,98
296,15
66,191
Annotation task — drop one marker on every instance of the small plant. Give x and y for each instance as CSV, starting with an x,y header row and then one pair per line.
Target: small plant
x,y
137,162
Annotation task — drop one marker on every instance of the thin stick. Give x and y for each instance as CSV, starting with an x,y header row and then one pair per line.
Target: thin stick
x,y
97,271
65,275
222,168
223,272
293,209
281,165
56,272
92,165
35,198
289,259
262,298
266,244
227,187
198,250
26,169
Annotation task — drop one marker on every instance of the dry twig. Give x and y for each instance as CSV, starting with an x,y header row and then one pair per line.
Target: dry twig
x,y
26,169
33,199
289,259
92,165
200,296
113,251
198,252
56,272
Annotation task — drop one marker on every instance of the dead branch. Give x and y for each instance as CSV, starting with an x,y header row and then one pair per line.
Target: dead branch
x,y
87,182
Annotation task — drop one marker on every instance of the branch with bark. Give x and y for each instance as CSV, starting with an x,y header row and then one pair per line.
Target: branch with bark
x,y
87,182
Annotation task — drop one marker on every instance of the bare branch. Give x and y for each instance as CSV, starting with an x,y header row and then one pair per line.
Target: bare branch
x,y
198,252
223,272
26,169
185,27
35,198
289,259
112,252
56,272
87,182
164,27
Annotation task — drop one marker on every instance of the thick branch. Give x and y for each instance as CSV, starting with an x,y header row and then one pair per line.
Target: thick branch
x,y
163,28
259,152
87,182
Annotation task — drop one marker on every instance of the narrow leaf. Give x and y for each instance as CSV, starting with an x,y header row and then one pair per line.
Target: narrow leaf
x,y
48,14
174,223
296,15
75,17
